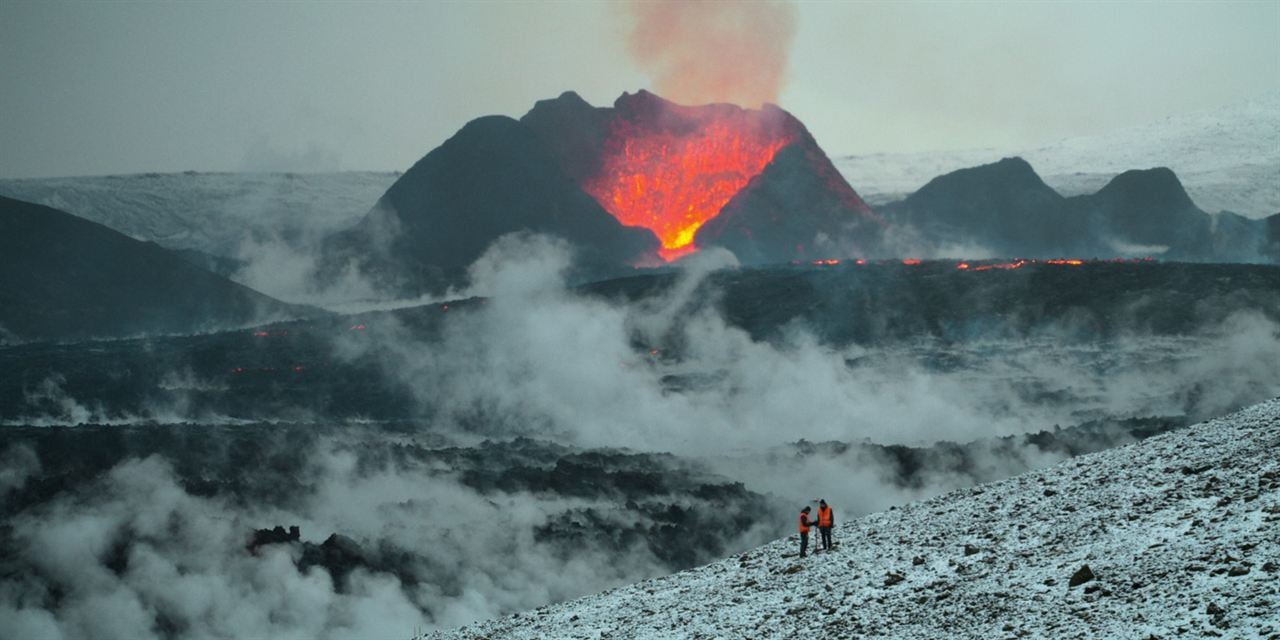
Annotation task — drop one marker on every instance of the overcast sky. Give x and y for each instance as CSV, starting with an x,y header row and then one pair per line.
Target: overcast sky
x,y
122,87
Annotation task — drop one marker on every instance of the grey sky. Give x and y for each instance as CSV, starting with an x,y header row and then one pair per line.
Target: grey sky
x,y
92,88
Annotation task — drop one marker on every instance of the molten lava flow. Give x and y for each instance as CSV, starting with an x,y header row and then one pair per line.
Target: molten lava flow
x,y
1007,266
1018,264
672,181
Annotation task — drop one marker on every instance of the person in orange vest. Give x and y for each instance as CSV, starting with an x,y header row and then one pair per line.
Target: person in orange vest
x,y
805,523
825,522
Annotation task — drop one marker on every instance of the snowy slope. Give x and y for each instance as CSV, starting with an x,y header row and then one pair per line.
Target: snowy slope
x,y
1228,159
1178,530
211,212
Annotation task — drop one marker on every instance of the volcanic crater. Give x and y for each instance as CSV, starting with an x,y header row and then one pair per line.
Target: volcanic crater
x,y
641,183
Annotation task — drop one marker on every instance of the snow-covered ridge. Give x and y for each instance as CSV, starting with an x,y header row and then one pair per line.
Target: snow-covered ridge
x,y
1178,534
1228,159
211,212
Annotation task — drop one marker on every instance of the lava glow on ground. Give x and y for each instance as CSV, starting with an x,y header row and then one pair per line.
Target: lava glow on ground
x,y
985,265
671,180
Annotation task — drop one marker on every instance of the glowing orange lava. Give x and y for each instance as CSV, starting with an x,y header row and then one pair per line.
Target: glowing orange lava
x,y
672,180
1007,266
1018,264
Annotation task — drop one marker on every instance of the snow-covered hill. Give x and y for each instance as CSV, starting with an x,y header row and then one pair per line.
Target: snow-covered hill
x,y
1171,537
1228,159
211,212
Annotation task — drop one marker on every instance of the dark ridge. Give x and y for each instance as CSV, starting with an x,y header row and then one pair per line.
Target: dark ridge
x,y
64,277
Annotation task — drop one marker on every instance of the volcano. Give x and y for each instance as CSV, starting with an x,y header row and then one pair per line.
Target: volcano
x,y
640,183
751,180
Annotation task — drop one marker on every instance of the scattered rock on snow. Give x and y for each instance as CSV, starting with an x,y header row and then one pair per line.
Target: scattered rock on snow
x,y
1081,576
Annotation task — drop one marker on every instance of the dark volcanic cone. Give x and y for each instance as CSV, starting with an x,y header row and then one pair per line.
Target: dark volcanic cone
x,y
492,178
768,221
1003,207
1150,207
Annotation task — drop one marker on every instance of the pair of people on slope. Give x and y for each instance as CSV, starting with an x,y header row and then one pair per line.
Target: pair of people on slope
x,y
824,523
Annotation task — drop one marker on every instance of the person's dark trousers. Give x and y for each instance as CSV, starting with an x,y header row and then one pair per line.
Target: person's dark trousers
x,y
804,544
826,538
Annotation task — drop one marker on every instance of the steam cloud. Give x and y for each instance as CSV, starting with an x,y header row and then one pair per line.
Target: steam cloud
x,y
116,555
701,52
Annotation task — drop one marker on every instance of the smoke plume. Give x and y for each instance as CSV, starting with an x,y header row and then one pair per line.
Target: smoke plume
x,y
701,52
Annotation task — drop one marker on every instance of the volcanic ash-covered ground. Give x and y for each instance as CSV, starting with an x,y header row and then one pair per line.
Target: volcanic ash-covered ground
x,y
1172,537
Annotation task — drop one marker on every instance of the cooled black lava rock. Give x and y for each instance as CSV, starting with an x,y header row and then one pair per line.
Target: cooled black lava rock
x,y
1081,576
276,535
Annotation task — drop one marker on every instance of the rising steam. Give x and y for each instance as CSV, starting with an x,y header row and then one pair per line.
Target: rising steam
x,y
701,52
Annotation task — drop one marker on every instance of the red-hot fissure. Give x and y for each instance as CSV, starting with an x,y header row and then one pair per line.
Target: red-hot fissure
x,y
671,182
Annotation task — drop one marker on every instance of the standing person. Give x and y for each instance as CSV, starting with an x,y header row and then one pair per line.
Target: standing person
x,y
804,531
825,522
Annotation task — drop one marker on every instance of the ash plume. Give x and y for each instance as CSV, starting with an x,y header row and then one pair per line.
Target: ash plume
x,y
703,52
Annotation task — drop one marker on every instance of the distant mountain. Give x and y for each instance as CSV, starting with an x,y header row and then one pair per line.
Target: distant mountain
x,y
1149,208
1272,246
1235,235
1228,158
63,277
1005,209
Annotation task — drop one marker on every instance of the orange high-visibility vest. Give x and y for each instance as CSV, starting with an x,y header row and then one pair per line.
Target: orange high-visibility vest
x,y
804,522
824,516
